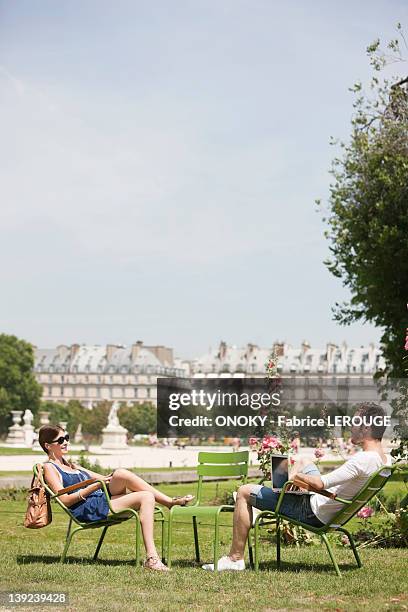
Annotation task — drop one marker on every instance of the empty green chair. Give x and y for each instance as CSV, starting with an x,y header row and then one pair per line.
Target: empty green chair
x,y
213,464
373,485
113,518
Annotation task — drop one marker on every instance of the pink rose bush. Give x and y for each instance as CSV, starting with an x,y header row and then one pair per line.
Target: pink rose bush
x,y
266,447
365,512
271,443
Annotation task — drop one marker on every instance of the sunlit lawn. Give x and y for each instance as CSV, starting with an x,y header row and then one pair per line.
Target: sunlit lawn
x,y
29,562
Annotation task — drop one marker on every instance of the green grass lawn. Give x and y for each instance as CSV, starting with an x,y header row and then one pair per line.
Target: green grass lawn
x,y
9,451
29,562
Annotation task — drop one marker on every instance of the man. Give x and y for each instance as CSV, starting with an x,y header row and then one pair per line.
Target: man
x,y
313,509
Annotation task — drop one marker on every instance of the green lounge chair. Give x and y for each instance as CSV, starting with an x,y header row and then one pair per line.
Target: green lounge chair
x,y
374,484
113,518
216,465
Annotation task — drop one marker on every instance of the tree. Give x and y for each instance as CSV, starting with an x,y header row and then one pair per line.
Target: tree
x,y
368,208
18,387
73,413
138,418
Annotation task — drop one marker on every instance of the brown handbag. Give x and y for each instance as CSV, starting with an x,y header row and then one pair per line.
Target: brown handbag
x,y
38,512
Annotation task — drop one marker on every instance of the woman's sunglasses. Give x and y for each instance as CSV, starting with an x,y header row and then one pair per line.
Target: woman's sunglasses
x,y
61,439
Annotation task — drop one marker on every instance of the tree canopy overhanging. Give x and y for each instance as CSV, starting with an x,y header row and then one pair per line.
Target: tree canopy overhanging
x,y
367,214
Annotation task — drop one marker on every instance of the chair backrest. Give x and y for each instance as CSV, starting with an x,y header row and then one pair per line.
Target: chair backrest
x,y
223,465
373,485
55,497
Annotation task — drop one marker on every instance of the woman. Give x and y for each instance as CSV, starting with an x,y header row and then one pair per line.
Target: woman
x,y
90,503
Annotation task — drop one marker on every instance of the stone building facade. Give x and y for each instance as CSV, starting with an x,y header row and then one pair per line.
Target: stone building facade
x,y
339,374
92,374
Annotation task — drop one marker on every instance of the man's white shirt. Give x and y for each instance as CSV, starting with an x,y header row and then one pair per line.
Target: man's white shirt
x,y
345,482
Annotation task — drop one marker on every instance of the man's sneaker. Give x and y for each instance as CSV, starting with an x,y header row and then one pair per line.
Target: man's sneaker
x,y
225,563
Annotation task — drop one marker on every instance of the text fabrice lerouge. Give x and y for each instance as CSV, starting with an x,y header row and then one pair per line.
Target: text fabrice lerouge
x,y
333,421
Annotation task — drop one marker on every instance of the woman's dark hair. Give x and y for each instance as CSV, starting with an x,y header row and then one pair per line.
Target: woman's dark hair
x,y
46,435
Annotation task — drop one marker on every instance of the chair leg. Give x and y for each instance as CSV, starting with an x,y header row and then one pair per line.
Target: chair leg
x,y
68,529
163,537
104,530
196,542
250,551
169,538
138,537
216,543
355,551
329,548
278,543
70,534
256,545
352,546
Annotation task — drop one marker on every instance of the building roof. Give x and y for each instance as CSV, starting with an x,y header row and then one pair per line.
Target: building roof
x,y
97,359
251,359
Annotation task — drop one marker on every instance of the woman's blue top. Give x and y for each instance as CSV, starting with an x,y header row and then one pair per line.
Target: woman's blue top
x,y
95,507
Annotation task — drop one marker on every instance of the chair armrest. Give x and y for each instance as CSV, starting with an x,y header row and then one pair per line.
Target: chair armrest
x,y
323,492
310,488
75,487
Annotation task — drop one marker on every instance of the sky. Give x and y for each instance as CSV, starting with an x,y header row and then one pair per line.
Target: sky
x,y
159,163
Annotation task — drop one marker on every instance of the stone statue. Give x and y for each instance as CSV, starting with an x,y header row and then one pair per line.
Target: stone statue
x,y
114,436
113,418
28,428
16,435
28,417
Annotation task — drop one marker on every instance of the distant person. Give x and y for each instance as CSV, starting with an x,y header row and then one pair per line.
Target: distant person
x,y
90,504
236,443
312,509
153,440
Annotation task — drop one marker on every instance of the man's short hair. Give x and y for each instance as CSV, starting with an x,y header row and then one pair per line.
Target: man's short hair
x,y
369,410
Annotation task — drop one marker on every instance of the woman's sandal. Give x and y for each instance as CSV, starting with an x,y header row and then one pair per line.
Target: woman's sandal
x,y
154,563
187,499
